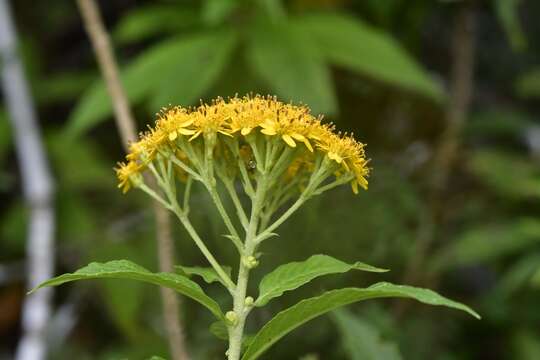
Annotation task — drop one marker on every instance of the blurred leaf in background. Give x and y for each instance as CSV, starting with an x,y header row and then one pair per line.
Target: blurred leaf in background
x,y
362,340
291,55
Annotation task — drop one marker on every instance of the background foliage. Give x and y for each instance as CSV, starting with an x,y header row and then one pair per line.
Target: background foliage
x,y
378,68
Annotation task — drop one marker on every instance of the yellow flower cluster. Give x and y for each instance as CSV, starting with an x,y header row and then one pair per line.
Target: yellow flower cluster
x,y
243,117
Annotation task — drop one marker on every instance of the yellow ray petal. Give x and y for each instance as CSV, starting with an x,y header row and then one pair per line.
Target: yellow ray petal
x,y
173,135
308,144
186,131
268,131
354,186
195,135
245,131
289,140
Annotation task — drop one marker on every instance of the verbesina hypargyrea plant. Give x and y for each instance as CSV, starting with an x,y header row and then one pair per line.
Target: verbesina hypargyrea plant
x,y
275,157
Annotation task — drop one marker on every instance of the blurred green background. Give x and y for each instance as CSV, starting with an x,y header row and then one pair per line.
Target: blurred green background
x,y
379,68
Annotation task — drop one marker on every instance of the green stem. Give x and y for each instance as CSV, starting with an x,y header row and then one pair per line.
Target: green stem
x,y
187,194
200,244
322,170
185,167
225,216
182,216
229,185
268,231
155,196
236,331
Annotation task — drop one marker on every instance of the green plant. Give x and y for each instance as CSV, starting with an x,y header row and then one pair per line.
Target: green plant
x,y
193,49
276,157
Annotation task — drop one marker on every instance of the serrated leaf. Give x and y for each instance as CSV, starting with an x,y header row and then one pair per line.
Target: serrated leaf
x,y
295,274
291,64
291,318
146,21
207,273
348,42
124,269
150,73
361,340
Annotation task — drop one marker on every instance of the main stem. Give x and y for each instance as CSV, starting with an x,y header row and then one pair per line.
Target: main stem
x,y
236,331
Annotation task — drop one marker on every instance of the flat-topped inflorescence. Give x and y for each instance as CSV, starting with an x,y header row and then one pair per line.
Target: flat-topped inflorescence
x,y
280,133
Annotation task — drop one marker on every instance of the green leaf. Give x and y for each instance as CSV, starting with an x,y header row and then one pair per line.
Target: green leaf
x,y
519,274
123,269
528,84
219,329
500,121
5,135
207,273
295,274
289,61
487,243
170,67
147,21
536,278
216,11
511,175
348,42
361,340
61,87
201,63
507,12
525,344
291,318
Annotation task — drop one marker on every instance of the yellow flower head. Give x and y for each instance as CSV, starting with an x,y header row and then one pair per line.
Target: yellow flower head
x,y
174,122
211,119
254,116
347,152
248,113
291,123
127,173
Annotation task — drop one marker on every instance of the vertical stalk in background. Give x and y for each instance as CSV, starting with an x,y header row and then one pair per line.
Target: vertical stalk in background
x,y
461,90
38,188
127,128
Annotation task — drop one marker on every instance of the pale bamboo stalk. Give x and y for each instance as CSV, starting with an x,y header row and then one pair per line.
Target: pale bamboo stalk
x,y
38,188
127,128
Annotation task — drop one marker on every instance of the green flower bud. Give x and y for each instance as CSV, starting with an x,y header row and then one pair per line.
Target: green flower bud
x,y
249,301
250,262
232,318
